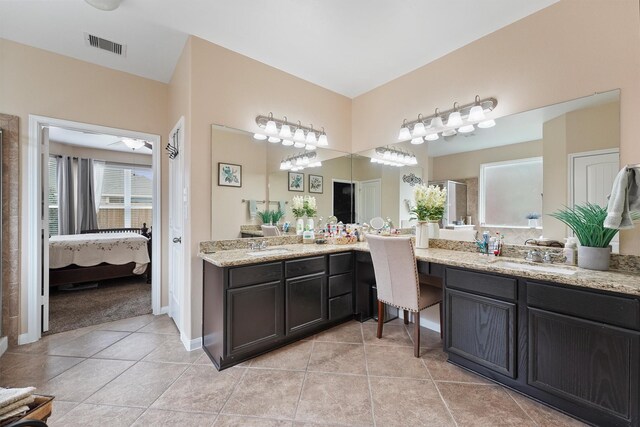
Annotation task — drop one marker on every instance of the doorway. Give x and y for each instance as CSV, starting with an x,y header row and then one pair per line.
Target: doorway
x,y
343,201
37,209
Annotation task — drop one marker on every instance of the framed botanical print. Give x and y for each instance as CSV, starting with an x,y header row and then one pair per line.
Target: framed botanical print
x,y
296,181
315,184
229,175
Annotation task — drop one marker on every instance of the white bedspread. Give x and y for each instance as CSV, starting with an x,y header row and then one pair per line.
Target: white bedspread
x,y
86,250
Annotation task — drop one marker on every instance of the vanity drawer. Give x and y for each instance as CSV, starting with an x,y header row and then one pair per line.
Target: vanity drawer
x,y
253,274
480,283
340,307
611,309
305,266
340,263
340,284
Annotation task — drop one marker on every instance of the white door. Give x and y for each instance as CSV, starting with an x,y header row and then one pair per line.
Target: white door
x,y
592,179
44,228
177,218
369,200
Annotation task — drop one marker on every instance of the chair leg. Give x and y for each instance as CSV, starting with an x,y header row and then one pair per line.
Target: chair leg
x,y
416,335
380,318
441,322
406,317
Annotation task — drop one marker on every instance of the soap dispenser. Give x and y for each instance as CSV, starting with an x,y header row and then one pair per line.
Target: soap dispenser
x,y
570,250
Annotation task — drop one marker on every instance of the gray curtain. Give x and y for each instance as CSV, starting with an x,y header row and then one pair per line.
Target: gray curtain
x,y
66,196
87,217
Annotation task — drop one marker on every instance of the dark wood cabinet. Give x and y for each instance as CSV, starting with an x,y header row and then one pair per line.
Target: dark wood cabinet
x,y
306,302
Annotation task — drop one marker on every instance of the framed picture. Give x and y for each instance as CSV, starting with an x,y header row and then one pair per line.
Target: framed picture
x,y
315,184
229,175
296,181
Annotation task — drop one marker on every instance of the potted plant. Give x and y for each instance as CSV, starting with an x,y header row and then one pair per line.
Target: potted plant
x,y
533,219
276,216
266,216
428,210
311,209
587,223
298,210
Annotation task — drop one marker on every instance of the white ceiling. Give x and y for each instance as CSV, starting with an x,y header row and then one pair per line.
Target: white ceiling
x,y
92,140
349,47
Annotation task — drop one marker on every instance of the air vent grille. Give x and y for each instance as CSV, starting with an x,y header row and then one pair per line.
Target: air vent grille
x,y
104,44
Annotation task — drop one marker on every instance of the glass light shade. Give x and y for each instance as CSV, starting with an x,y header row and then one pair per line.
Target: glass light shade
x,y
417,141
487,124
274,140
271,128
414,161
134,144
298,136
322,140
374,160
432,137
285,131
419,130
315,165
311,138
287,142
310,147
299,144
466,129
283,166
305,160
387,154
449,132
404,134
394,156
288,163
436,123
259,136
454,120
476,114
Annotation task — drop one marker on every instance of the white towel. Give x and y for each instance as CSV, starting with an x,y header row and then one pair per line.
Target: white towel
x,y
16,405
624,198
18,411
253,208
12,395
282,206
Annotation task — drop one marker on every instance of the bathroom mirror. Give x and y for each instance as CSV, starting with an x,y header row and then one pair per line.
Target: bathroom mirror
x,y
529,164
248,178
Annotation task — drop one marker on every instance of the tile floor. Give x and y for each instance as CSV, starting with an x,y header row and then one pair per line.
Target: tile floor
x,y
136,372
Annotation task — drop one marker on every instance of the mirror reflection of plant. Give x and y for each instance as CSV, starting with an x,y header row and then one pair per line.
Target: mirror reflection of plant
x,y
297,207
277,215
587,222
310,207
266,216
533,215
429,202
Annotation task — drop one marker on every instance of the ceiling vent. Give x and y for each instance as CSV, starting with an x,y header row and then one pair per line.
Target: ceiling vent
x,y
104,44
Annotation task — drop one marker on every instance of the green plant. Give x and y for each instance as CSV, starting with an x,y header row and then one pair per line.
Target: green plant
x,y
265,216
277,215
587,222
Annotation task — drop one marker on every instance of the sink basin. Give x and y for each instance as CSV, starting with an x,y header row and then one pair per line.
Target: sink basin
x,y
543,268
268,252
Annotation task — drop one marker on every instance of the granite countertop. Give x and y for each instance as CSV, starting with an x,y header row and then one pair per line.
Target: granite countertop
x,y
613,281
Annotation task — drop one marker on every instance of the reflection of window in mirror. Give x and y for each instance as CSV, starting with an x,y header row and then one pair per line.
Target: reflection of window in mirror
x,y
510,192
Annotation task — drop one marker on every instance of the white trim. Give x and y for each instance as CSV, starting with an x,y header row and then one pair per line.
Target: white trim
x,y
424,323
31,254
191,345
164,310
571,159
4,344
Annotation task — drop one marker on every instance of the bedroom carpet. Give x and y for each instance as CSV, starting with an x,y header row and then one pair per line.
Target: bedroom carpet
x,y
112,300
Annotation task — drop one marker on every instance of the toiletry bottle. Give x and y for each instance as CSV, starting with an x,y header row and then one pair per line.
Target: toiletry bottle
x,y
485,240
570,249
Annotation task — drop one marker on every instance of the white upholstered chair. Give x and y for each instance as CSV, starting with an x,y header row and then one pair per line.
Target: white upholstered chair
x,y
270,230
399,284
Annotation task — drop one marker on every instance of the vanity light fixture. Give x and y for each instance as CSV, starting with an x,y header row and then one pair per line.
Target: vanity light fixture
x,y
299,144
310,147
287,131
259,136
461,118
322,139
311,137
299,162
393,156
287,142
271,128
274,139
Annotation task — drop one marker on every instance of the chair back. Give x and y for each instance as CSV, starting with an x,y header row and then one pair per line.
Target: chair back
x,y
395,268
270,230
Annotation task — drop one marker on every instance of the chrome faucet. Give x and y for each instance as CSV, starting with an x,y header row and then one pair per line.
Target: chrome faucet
x,y
257,246
534,255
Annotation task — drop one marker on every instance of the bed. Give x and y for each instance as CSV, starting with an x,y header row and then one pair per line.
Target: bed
x,y
97,255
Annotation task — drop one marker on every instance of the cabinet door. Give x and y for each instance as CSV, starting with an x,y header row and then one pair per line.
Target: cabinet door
x,y
306,302
588,363
254,317
482,330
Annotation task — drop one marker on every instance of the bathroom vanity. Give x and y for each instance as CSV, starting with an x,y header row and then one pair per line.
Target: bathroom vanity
x,y
568,338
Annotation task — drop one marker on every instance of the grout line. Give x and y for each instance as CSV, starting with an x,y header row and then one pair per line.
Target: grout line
x,y
446,405
233,390
520,406
304,380
366,365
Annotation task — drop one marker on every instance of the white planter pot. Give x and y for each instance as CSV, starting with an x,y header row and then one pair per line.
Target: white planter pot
x,y
299,226
310,224
533,223
422,235
434,229
594,258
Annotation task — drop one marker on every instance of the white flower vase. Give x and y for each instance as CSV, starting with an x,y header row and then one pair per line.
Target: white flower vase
x,y
299,226
533,222
422,235
310,224
434,229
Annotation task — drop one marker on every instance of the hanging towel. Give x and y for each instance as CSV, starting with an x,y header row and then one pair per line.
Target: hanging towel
x,y
282,205
253,208
624,198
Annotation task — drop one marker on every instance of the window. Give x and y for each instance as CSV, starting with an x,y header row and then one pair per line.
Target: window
x,y
509,191
53,196
126,199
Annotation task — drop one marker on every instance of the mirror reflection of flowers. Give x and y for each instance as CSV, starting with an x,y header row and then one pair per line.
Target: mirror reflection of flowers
x,y
429,202
310,206
297,207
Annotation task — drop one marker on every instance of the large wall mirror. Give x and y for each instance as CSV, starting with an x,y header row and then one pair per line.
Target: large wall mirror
x,y
251,176
499,178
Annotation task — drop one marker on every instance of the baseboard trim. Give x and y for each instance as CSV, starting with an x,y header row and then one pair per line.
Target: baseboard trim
x,y
26,338
425,323
4,344
164,310
191,345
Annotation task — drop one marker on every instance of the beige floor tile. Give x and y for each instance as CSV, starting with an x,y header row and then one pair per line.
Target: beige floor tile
x,y
140,385
441,370
387,361
133,347
22,370
60,409
49,342
266,393
543,415
335,398
396,322
161,325
84,379
233,421
89,344
338,357
89,415
310,424
131,324
392,335
294,356
350,332
173,351
482,405
404,402
158,417
429,339
200,389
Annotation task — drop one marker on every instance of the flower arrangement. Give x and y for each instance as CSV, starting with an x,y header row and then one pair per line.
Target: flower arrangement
x,y
429,202
297,207
310,206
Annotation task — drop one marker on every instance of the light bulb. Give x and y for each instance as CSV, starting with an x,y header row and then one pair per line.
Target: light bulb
x,y
285,131
404,134
476,114
417,141
299,144
287,142
466,129
259,136
274,140
455,119
311,138
271,128
419,130
310,147
449,132
487,124
432,137
322,140
298,136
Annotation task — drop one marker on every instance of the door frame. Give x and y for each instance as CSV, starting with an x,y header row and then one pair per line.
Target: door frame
x,y
31,255
571,167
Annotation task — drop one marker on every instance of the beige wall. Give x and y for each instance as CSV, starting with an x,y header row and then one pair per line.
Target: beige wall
x,y
56,148
568,50
34,81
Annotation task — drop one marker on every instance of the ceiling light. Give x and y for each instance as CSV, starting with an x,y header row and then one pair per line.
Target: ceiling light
x,y
432,137
287,142
404,134
466,129
455,119
487,124
259,136
134,144
107,5
418,128
476,114
274,140
417,141
285,129
322,140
